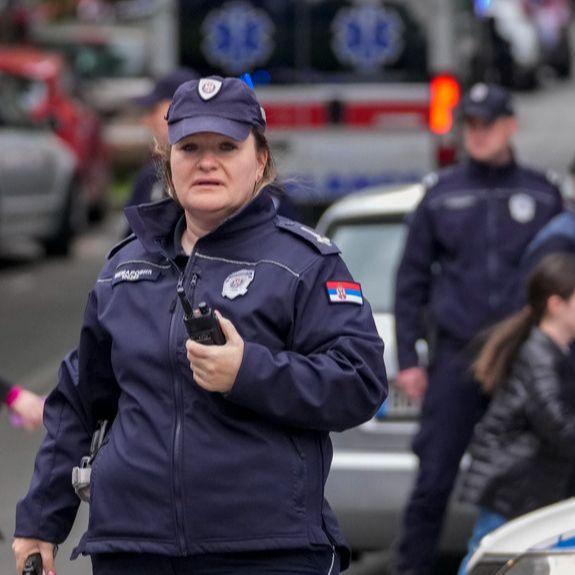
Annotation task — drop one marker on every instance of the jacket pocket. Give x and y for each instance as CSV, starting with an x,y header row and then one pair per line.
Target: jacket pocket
x,y
299,473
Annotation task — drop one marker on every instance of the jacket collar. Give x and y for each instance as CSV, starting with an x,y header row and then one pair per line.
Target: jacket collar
x,y
546,342
154,223
482,169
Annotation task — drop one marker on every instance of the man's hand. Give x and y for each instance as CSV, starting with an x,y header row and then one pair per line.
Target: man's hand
x,y
216,367
413,382
24,547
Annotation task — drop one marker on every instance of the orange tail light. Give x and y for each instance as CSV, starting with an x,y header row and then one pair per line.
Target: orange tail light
x,y
445,96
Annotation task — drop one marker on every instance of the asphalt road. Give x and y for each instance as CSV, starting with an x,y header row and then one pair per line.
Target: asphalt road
x,y
41,306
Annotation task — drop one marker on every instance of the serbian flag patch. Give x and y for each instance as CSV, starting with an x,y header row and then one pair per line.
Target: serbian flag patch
x,y
344,292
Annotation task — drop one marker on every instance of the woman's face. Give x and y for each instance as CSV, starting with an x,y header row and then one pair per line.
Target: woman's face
x,y
214,176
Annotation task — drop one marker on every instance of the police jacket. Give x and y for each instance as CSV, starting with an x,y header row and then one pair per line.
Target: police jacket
x,y
557,236
462,256
187,471
522,453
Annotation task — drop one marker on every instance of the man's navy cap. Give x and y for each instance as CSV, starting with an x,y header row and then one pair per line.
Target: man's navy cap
x,y
488,102
165,87
224,106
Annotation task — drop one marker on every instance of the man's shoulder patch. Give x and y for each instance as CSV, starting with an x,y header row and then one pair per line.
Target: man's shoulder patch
x,y
120,245
321,243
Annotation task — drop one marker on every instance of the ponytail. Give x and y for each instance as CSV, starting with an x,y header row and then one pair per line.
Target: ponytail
x,y
495,358
553,275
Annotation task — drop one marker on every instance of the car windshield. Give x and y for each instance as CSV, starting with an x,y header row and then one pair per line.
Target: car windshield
x,y
552,564
19,98
372,252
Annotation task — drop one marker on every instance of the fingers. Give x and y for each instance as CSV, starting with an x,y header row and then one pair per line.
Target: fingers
x,y
47,552
230,332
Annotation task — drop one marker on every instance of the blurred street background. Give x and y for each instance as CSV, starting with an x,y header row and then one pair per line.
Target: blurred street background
x,y
345,113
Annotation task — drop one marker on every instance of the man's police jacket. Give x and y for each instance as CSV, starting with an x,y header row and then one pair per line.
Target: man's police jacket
x,y
184,470
463,251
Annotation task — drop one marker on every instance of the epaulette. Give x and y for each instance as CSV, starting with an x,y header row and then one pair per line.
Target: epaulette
x,y
554,178
430,180
120,245
321,243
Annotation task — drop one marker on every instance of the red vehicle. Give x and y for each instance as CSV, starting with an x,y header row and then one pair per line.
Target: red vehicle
x,y
37,83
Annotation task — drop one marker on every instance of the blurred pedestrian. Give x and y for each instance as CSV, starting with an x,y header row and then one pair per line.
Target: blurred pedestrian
x,y
148,184
556,236
218,455
522,453
460,272
26,406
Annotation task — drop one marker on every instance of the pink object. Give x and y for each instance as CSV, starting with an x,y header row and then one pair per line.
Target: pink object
x,y
13,395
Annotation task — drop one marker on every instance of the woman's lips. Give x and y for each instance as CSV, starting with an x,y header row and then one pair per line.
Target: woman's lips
x,y
207,183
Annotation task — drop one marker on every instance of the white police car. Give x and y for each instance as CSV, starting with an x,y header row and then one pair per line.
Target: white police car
x,y
373,466
539,543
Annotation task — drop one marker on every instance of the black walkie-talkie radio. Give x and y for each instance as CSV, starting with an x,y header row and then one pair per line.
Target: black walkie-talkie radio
x,y
33,565
201,323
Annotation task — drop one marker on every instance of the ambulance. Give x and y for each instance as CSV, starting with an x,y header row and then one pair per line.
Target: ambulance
x,y
356,93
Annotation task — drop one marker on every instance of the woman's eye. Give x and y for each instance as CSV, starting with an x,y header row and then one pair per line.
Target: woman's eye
x,y
189,147
227,146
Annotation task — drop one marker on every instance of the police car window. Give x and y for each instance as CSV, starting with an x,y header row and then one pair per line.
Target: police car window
x,y
305,40
372,251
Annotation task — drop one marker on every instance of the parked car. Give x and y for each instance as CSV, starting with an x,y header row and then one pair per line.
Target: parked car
x,y
539,543
41,198
35,87
373,466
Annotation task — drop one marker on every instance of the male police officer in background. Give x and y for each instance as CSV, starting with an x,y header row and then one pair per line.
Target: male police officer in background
x,y
148,185
460,273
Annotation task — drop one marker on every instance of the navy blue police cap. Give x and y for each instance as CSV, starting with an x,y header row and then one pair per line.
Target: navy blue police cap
x,y
224,106
165,87
488,102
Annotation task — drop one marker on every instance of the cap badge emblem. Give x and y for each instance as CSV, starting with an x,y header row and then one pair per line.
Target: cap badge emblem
x,y
237,283
479,92
522,208
208,88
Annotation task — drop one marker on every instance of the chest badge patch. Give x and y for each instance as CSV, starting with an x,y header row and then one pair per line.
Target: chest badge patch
x,y
344,292
237,283
522,208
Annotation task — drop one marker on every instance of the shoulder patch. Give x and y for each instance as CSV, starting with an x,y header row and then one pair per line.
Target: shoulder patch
x,y
321,243
120,245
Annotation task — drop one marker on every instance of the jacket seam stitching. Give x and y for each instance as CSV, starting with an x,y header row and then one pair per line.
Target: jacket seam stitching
x,y
163,267
246,263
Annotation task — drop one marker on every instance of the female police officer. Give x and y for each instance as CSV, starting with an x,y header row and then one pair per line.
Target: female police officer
x,y
218,455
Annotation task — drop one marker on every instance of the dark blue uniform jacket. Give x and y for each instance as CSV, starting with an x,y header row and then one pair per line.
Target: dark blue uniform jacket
x,y
184,470
557,236
463,251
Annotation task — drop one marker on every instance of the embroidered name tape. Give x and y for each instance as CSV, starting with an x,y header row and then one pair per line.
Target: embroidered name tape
x,y
344,292
135,274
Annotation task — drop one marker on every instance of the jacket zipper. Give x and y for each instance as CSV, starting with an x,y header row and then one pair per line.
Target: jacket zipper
x,y
177,438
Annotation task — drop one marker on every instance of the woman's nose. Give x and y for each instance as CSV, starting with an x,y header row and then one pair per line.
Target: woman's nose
x,y
207,160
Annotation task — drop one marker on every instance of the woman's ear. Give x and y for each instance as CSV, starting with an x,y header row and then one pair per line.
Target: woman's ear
x,y
555,305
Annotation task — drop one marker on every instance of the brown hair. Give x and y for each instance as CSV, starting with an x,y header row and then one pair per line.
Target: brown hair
x,y
262,145
554,275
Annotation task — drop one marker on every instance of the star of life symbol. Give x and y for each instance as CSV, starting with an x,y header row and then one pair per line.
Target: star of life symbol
x,y
208,88
237,37
367,37
237,283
